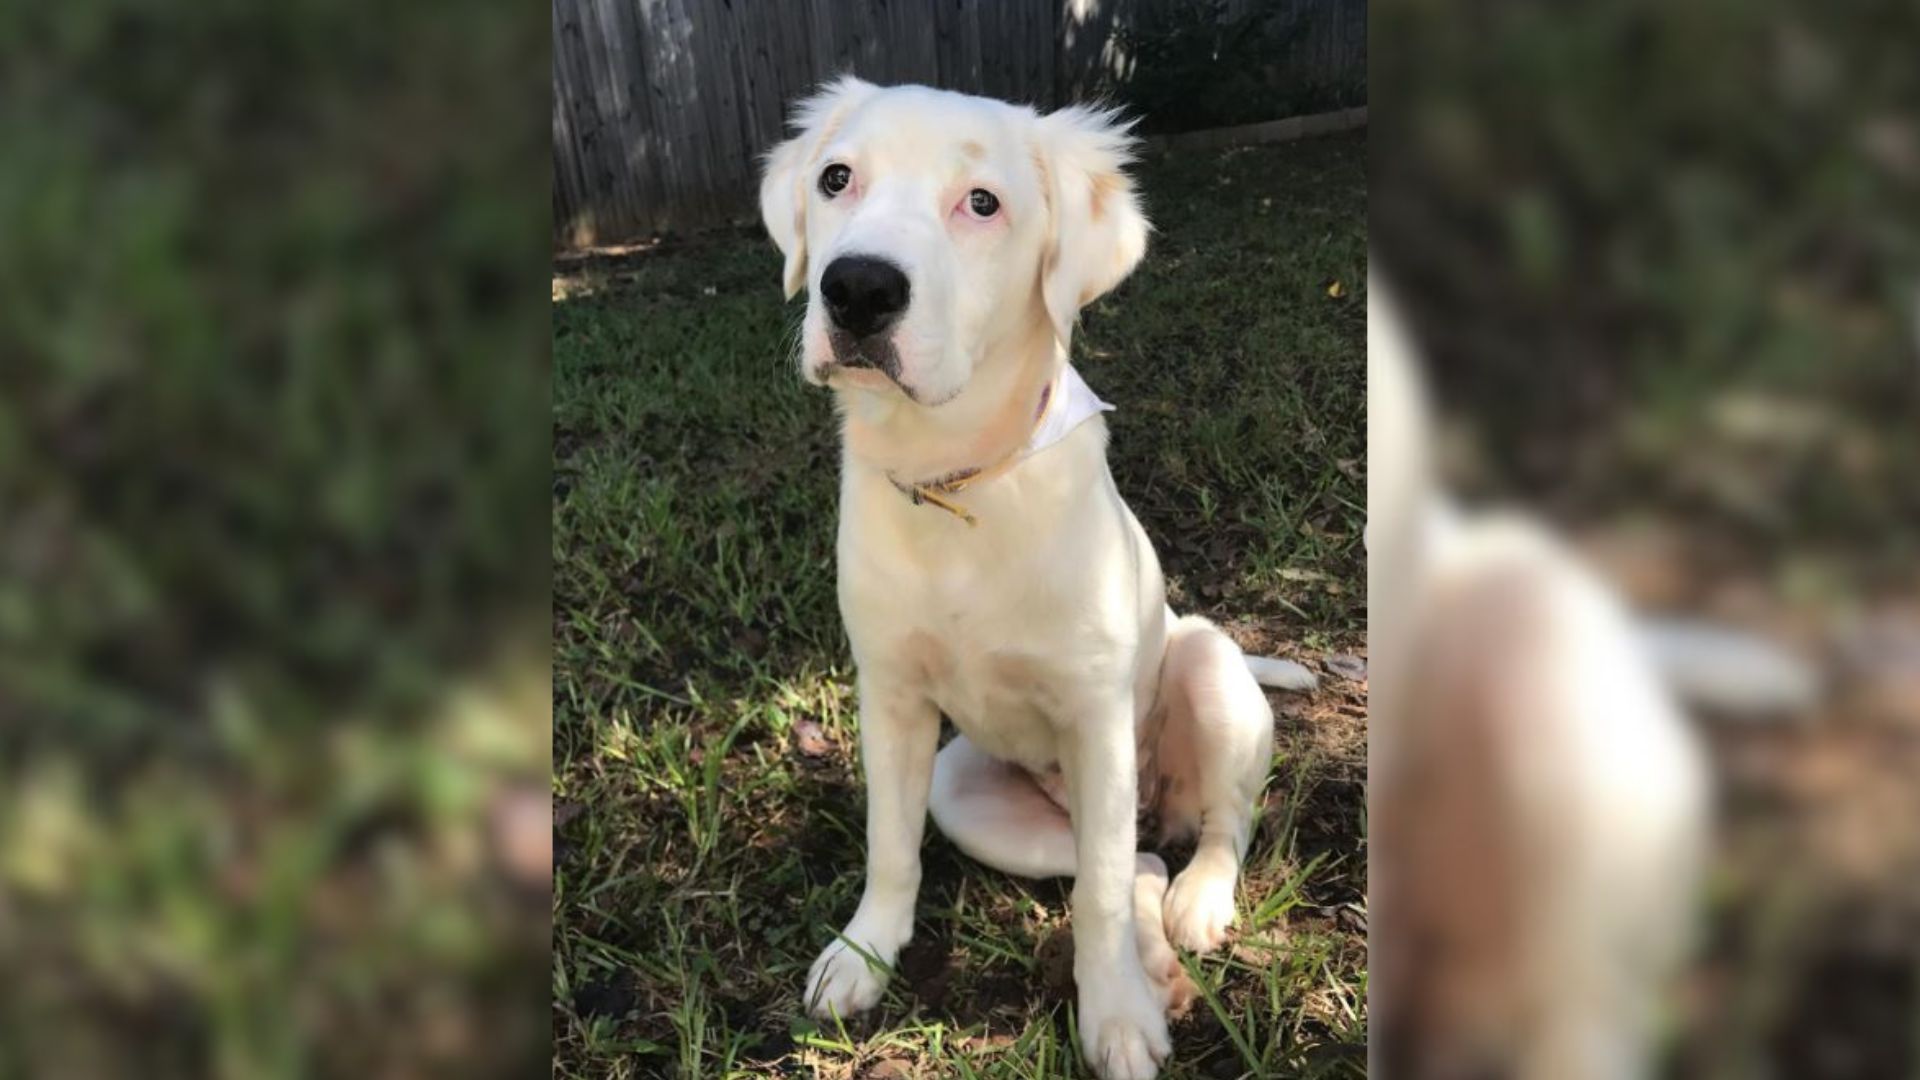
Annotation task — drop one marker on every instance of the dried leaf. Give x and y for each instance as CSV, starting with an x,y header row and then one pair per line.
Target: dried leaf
x,y
810,739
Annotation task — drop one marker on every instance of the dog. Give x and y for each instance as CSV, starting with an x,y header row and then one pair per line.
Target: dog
x,y
1537,802
988,568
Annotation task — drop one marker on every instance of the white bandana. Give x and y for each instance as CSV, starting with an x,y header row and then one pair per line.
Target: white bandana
x,y
1074,403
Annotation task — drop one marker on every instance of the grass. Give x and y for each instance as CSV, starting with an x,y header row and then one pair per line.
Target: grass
x,y
272,388
708,809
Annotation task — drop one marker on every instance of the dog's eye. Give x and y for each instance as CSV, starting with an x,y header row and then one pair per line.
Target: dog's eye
x,y
983,203
834,180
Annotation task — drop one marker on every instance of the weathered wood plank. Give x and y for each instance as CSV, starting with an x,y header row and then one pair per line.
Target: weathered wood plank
x,y
662,108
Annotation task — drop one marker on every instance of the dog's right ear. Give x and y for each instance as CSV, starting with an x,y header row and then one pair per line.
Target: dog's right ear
x,y
783,188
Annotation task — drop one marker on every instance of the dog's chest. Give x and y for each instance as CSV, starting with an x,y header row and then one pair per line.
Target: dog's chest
x,y
1006,699
1009,627
982,643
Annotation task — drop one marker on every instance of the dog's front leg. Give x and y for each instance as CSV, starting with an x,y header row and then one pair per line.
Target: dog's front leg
x,y
899,731
1123,1028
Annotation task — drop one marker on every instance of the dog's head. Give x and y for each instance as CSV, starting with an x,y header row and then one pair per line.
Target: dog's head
x,y
930,228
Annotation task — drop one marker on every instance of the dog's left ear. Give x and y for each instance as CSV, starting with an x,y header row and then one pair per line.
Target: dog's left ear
x,y
1097,230
783,188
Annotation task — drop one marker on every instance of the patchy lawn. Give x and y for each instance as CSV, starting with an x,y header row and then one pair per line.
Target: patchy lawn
x,y
708,810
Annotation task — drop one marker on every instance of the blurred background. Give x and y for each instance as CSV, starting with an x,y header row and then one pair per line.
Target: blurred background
x,y
274,702
1665,263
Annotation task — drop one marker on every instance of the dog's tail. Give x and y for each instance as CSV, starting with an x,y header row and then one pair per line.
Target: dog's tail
x,y
1281,674
1727,672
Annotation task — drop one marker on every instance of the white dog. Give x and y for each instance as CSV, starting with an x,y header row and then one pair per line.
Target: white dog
x,y
988,568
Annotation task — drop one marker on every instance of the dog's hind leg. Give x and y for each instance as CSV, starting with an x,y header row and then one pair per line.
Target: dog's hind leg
x,y
998,814
1214,749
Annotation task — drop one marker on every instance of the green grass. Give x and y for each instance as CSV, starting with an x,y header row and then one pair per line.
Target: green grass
x,y
272,388
711,838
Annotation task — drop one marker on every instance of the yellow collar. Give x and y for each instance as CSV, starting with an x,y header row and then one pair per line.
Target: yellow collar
x,y
932,492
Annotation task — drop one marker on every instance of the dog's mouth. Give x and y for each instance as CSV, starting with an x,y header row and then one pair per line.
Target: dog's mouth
x,y
870,363
876,353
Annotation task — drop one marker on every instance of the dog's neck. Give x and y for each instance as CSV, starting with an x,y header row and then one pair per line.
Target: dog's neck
x,y
985,424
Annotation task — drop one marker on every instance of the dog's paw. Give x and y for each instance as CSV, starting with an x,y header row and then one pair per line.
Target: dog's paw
x,y
1123,1031
843,983
1170,984
1162,965
1200,907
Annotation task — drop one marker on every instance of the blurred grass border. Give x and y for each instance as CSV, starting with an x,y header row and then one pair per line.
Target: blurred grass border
x,y
274,716
1665,262
1679,246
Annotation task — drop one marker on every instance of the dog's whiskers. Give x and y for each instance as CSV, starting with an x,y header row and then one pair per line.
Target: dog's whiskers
x,y
792,342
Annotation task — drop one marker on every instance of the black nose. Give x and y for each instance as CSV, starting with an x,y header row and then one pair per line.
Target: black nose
x,y
864,295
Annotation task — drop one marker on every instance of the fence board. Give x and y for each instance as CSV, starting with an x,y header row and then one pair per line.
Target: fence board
x,y
662,108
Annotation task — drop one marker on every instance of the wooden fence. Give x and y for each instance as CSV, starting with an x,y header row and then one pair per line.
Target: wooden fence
x,y
662,108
